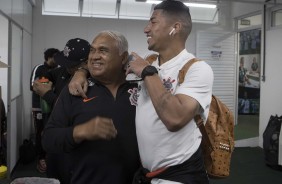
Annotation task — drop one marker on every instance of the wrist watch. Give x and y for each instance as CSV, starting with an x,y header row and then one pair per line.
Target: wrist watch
x,y
148,71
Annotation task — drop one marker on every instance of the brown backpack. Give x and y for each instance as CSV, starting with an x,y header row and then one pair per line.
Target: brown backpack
x,y
217,134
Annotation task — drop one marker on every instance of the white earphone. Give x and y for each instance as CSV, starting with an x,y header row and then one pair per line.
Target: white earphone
x,y
172,31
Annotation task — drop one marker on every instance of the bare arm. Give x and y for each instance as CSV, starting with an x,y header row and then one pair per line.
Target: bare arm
x,y
175,111
78,84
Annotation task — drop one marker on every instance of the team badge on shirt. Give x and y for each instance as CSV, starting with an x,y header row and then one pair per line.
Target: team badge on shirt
x,y
168,84
90,82
133,96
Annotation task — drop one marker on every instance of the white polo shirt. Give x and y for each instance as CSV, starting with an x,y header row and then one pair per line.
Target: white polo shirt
x,y
159,147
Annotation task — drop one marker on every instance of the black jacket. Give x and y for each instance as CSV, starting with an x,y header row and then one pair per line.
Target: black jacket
x,y
37,72
100,161
60,78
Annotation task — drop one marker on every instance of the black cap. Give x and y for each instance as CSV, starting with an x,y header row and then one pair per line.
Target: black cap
x,y
75,52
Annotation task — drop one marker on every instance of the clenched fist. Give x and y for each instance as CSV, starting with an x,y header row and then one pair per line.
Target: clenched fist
x,y
96,128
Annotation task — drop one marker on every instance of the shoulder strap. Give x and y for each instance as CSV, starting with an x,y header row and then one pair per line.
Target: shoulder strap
x,y
198,119
205,137
151,58
184,69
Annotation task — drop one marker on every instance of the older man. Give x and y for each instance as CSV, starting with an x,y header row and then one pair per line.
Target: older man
x,y
98,131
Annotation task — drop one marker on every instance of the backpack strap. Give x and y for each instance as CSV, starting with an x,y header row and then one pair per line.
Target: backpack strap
x,y
151,58
184,69
198,119
205,137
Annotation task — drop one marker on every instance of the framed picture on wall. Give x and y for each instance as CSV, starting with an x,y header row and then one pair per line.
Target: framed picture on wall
x,y
250,42
249,72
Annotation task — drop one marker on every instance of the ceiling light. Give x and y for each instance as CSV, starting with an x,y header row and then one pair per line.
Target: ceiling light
x,y
200,5
153,2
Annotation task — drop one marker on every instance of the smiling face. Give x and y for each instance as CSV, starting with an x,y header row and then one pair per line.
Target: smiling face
x,y
105,63
157,31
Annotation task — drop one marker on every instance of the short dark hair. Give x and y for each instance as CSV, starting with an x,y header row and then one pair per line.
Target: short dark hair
x,y
50,53
177,10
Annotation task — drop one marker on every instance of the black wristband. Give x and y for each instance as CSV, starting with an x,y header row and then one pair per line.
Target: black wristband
x,y
148,71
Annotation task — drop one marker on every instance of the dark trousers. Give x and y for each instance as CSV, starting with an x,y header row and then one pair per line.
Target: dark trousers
x,y
192,171
39,122
59,167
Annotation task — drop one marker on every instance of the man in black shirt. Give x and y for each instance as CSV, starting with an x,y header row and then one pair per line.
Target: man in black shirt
x,y
39,118
74,55
98,131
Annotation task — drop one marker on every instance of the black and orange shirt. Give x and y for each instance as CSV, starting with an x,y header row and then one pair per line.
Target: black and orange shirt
x,y
99,161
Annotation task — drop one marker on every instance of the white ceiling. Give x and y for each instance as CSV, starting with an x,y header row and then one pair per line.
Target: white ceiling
x,y
119,9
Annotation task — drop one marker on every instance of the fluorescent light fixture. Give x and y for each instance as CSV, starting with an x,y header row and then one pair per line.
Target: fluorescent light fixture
x,y
199,5
153,2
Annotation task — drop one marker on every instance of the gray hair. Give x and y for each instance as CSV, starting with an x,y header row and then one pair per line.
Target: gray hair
x,y
121,41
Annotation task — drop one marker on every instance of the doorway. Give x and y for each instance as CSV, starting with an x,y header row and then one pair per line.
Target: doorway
x,y
248,84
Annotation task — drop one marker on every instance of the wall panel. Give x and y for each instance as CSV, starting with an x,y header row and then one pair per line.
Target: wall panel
x,y
218,50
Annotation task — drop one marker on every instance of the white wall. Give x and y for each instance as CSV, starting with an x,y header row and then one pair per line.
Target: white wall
x,y
6,7
27,125
271,89
224,67
240,9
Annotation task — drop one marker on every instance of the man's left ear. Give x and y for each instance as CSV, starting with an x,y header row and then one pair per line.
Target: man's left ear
x,y
177,27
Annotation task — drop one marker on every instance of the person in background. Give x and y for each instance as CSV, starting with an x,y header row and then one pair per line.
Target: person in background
x,y
168,137
243,78
38,118
244,104
74,55
254,65
98,132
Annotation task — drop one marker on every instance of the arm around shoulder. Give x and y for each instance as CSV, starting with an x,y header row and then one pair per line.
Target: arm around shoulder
x,y
79,84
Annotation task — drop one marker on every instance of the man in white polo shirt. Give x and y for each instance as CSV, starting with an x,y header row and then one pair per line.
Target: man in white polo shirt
x,y
168,138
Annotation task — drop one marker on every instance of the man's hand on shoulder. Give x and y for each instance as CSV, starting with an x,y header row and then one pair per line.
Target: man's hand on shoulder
x,y
78,84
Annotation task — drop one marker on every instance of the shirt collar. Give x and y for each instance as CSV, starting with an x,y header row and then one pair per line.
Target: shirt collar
x,y
178,59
